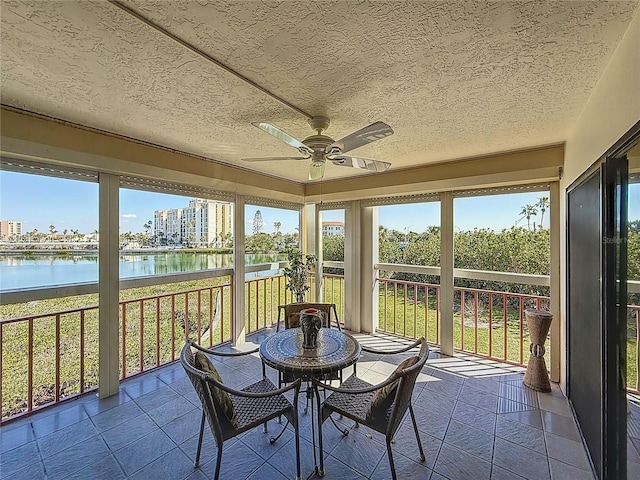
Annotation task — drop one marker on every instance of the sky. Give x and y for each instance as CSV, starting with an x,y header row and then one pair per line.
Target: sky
x,y
39,201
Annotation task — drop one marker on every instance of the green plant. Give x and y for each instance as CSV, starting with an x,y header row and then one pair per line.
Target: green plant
x,y
297,273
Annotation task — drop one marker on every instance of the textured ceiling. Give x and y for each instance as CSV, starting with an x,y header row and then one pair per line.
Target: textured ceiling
x,y
454,79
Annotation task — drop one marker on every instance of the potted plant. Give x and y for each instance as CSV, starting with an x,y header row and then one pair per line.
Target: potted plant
x,y
297,273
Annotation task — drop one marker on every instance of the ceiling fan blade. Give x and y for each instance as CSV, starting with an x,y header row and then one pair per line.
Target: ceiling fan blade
x,y
269,159
365,135
316,170
359,162
285,137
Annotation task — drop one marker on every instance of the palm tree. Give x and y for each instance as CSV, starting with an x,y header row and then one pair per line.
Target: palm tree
x,y
276,227
543,205
147,231
527,212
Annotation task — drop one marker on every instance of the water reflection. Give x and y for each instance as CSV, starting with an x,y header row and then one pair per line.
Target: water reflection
x,y
35,270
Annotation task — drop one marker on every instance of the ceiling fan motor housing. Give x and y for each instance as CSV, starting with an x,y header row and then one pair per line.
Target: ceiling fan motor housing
x,y
320,148
318,143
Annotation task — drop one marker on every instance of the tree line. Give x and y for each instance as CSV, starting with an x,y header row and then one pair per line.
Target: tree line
x,y
515,250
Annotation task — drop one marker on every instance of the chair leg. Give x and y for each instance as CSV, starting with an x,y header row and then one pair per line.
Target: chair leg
x,y
200,441
273,440
296,429
415,429
264,427
321,471
391,464
309,393
218,462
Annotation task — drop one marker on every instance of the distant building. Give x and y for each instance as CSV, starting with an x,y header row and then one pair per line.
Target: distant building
x,y
332,229
10,229
203,223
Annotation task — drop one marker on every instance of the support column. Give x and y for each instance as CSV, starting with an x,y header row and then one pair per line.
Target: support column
x,y
554,279
318,252
446,273
368,259
239,329
308,236
352,267
108,285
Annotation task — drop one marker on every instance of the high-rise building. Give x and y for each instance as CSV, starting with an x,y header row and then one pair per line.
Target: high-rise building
x,y
332,229
204,223
10,229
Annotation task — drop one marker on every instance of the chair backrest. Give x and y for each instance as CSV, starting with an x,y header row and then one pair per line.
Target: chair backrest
x,y
292,313
404,390
212,411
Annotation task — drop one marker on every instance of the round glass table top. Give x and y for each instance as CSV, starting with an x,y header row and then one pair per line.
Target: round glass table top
x,y
284,351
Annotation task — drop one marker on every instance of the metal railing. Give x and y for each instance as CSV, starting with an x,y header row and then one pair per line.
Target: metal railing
x,y
492,323
487,323
51,357
633,349
153,328
414,314
333,292
262,297
54,356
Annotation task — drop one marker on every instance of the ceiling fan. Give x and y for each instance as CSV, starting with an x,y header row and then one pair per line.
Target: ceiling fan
x,y
320,148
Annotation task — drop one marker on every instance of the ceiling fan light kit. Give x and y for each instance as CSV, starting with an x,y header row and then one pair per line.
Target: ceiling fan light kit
x,y
320,148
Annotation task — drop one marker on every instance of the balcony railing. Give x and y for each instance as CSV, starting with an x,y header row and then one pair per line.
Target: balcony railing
x,y
153,329
409,309
333,292
633,348
487,323
262,297
54,356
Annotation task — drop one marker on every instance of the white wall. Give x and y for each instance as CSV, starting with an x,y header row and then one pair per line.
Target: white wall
x,y
612,110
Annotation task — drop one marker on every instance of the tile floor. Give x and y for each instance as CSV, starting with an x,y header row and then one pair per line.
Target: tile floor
x,y
476,420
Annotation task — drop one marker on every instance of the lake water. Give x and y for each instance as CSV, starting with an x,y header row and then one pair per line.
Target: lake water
x,y
44,270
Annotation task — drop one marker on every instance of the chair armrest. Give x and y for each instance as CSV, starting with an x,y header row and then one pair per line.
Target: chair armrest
x,y
221,354
391,352
239,393
280,310
335,315
354,391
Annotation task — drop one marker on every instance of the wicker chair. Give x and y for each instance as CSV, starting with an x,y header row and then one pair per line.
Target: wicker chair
x,y
252,406
290,313
380,407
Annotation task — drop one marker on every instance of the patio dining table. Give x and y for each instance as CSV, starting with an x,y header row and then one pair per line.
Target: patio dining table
x,y
284,351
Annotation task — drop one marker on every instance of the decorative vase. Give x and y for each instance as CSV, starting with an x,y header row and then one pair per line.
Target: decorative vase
x,y
310,323
536,376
